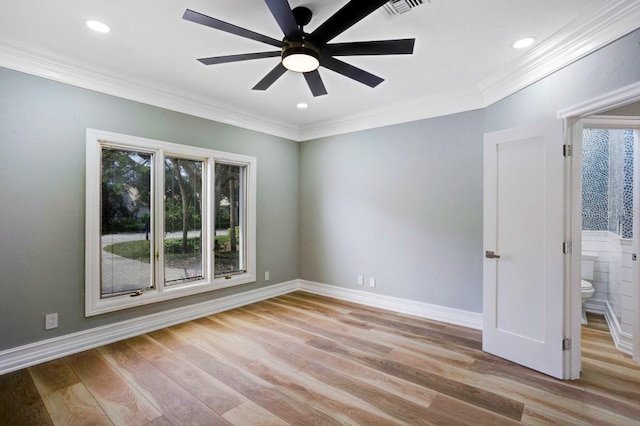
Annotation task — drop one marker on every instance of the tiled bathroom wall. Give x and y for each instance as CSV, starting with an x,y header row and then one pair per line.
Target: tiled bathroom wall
x,y
595,180
627,199
607,181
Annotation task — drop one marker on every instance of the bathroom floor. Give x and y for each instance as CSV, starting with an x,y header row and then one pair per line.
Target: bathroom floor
x,y
606,370
597,342
597,322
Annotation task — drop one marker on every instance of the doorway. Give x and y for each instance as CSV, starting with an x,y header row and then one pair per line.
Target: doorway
x,y
609,248
623,105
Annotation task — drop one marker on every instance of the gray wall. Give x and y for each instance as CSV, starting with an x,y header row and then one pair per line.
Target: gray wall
x,y
42,171
402,204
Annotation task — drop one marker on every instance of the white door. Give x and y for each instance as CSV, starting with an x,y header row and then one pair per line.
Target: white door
x,y
523,301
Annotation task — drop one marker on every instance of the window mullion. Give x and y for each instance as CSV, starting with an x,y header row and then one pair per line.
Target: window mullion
x,y
209,206
243,215
214,217
158,209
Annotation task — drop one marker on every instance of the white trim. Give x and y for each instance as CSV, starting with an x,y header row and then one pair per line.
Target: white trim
x,y
35,353
622,340
573,224
635,339
614,99
595,306
405,306
581,37
611,122
46,350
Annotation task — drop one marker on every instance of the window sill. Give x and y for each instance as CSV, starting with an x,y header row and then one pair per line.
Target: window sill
x,y
103,306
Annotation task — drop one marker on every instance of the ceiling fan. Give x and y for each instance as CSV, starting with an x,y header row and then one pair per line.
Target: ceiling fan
x,y
304,52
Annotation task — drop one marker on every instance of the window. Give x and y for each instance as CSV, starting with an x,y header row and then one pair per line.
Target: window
x,y
183,260
229,199
165,220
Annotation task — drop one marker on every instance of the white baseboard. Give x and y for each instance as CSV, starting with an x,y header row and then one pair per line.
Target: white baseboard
x,y
46,350
595,306
35,353
622,340
405,306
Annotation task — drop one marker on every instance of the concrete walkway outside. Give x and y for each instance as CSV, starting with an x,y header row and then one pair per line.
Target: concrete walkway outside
x,y
120,274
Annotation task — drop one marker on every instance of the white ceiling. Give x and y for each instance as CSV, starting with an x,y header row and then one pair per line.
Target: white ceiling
x,y
462,48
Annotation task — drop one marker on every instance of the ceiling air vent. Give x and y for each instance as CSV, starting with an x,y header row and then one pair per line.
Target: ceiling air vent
x,y
396,7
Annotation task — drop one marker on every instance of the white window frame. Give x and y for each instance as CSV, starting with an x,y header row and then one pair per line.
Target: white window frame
x,y
95,141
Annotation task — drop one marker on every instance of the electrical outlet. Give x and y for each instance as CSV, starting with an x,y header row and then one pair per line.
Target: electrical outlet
x,y
51,321
372,282
360,280
267,276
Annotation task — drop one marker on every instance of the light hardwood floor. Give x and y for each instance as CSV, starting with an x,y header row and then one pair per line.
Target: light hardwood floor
x,y
303,359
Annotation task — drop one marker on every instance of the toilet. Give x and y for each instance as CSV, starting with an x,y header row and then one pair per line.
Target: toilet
x,y
586,288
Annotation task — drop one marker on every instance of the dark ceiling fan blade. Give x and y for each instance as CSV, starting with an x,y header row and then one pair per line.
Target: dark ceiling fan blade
x,y
350,71
383,47
281,11
315,83
237,58
217,24
270,78
351,13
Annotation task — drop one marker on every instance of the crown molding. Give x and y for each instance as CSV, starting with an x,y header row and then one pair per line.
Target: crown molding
x,y
581,37
452,102
29,60
586,34
617,98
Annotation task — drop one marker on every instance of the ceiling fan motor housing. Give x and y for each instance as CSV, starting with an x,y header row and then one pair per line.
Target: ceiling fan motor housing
x,y
302,15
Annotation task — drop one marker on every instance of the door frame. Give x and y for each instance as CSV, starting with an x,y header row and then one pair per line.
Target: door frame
x,y
573,117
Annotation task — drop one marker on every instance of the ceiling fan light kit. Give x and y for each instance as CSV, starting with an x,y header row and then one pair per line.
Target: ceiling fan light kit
x,y
305,53
300,57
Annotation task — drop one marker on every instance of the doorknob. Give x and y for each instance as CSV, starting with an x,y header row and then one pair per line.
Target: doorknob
x,y
491,255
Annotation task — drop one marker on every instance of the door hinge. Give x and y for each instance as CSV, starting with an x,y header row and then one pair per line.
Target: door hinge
x,y
566,150
566,344
566,247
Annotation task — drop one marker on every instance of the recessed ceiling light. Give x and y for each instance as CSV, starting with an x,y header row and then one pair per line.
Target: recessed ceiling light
x,y
97,26
523,42
302,105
